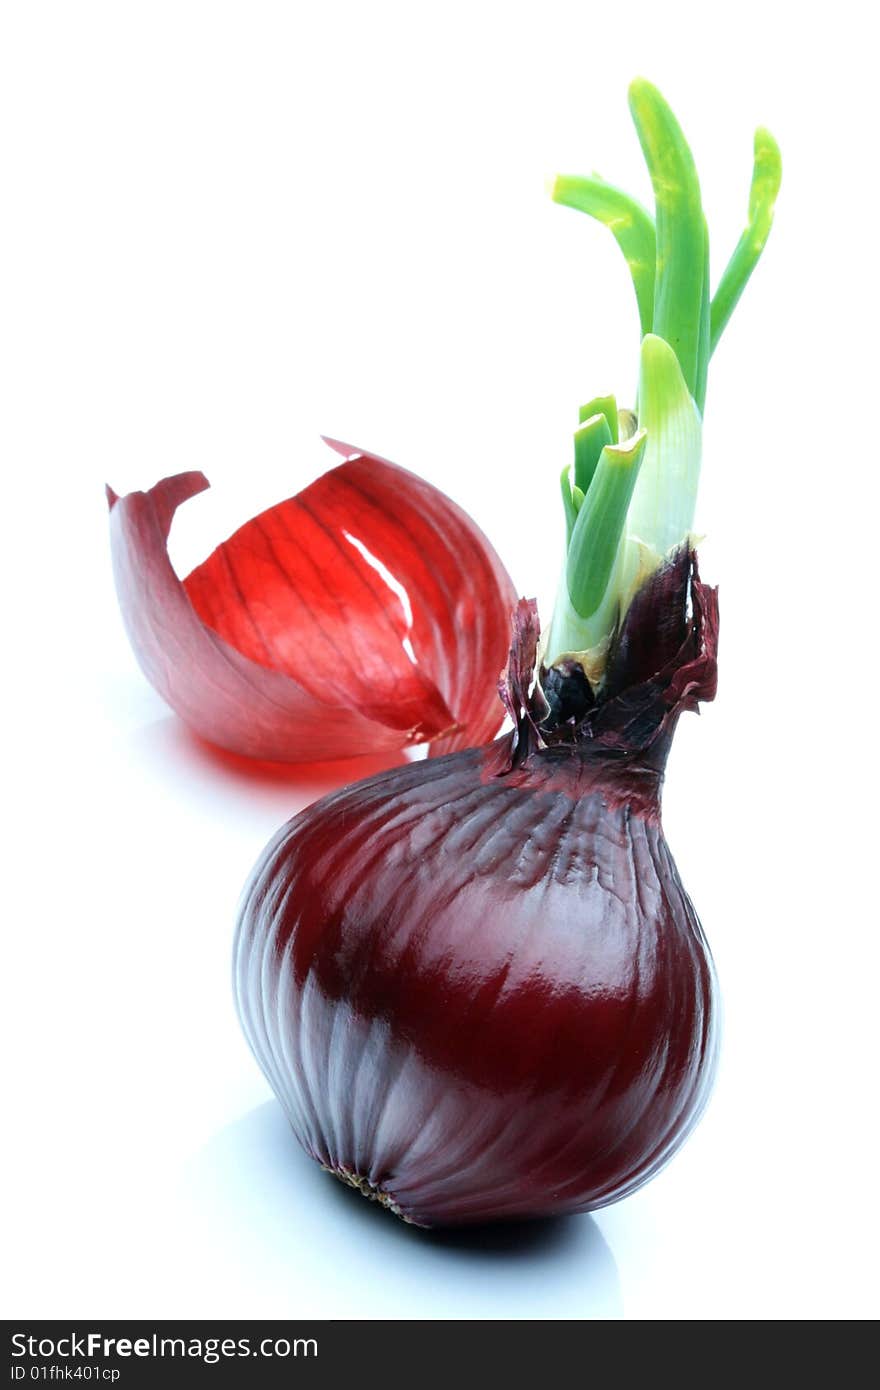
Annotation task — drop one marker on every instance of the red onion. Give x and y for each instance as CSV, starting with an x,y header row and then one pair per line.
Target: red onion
x,y
364,614
476,984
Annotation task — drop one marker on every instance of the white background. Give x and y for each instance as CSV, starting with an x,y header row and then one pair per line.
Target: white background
x,y
230,227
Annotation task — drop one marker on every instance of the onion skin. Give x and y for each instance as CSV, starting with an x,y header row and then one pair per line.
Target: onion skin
x,y
476,984
289,644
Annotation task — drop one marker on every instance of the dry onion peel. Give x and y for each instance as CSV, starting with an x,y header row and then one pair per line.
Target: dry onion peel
x,y
364,614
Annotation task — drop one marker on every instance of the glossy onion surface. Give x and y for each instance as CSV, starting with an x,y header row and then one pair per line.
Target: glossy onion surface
x,y
476,984
364,614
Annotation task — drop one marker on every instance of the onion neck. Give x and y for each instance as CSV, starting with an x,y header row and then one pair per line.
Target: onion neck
x,y
661,662
633,780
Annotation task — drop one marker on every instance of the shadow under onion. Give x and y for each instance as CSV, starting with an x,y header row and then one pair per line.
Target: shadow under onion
x,y
270,1209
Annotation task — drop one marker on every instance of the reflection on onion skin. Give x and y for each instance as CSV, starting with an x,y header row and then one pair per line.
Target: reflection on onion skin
x,y
476,984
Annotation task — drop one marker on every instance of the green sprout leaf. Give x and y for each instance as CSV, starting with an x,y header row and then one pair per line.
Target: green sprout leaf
x,y
680,294
589,440
766,180
662,511
596,535
630,224
568,503
602,405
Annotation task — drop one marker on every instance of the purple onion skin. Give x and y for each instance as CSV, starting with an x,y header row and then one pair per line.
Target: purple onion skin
x,y
476,983
480,996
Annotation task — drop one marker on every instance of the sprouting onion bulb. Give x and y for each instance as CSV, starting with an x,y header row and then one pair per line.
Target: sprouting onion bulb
x,y
622,521
477,984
